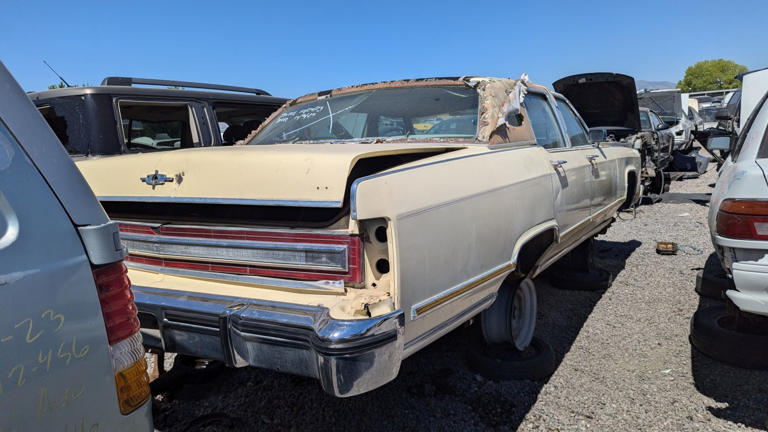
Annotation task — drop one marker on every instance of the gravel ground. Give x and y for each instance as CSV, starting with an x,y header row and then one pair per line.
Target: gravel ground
x,y
624,361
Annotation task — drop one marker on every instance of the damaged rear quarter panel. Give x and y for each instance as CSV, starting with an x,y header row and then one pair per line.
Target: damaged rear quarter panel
x,y
454,220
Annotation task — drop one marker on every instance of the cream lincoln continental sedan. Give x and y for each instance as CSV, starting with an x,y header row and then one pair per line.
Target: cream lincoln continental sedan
x,y
358,225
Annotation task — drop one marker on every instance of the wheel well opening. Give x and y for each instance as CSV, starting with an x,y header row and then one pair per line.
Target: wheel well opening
x,y
532,250
631,189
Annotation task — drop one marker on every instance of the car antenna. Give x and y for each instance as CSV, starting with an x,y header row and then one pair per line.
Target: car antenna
x,y
57,74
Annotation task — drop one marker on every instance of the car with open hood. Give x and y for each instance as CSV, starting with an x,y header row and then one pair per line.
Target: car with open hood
x,y
673,111
608,104
342,238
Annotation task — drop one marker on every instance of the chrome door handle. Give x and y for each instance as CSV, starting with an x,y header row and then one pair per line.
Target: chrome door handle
x,y
592,157
558,163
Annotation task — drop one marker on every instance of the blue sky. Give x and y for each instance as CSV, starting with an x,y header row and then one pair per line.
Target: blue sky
x,y
290,48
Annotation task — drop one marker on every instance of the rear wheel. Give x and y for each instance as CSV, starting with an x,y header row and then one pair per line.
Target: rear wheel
x,y
512,317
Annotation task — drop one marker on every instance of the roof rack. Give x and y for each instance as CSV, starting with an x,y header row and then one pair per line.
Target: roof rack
x,y
129,81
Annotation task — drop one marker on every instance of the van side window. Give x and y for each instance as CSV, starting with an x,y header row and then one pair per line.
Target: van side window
x,y
543,121
149,126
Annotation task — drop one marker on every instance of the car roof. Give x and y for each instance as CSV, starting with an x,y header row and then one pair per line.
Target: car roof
x,y
121,90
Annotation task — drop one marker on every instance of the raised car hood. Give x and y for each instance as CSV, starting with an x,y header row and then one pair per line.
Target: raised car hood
x,y
664,102
271,174
603,99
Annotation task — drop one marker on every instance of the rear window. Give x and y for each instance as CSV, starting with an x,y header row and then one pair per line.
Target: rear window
x,y
404,113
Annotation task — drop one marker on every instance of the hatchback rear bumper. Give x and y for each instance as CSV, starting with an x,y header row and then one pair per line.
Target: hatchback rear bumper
x,y
751,281
349,357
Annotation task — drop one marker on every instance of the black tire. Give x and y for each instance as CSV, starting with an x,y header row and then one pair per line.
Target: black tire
x,y
712,285
503,362
596,279
711,334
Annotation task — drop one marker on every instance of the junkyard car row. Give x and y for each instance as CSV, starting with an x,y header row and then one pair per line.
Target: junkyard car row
x,y
336,234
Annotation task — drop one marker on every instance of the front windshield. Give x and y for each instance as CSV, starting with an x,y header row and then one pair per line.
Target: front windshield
x,y
392,113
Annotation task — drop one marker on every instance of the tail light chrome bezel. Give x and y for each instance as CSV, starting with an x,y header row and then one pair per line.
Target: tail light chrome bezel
x,y
292,254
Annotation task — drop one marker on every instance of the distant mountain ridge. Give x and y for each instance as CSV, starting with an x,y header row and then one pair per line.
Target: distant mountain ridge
x,y
654,85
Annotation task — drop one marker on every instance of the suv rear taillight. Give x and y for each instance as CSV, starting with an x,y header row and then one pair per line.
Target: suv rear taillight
x,y
743,219
125,344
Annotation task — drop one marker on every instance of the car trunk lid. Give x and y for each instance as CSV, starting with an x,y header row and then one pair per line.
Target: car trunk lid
x,y
312,175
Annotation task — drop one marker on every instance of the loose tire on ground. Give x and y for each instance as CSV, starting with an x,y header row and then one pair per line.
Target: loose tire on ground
x,y
711,334
713,285
501,362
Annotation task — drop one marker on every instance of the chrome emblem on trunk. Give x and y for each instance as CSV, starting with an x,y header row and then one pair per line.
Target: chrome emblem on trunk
x,y
156,179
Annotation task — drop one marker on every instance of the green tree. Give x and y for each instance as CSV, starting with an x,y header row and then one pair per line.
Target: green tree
x,y
711,75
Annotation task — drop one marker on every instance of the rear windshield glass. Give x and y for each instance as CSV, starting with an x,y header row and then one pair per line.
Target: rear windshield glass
x,y
395,113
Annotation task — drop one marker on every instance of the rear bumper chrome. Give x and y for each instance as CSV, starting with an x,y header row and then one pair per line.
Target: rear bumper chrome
x,y
349,357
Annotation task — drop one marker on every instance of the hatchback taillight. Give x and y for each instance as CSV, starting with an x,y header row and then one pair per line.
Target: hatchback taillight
x,y
743,219
125,344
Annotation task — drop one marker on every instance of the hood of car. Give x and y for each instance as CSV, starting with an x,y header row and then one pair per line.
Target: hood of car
x,y
666,103
603,99
281,174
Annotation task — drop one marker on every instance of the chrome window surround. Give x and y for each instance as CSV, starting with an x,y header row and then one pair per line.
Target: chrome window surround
x,y
272,254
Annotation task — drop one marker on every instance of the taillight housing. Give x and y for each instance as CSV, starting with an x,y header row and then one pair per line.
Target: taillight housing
x,y
306,255
125,344
743,219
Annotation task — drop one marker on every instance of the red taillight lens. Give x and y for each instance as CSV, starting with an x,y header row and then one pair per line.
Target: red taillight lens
x,y
252,252
122,322
743,219
119,311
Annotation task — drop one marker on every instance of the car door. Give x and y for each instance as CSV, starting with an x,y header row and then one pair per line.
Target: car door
x,y
602,159
570,164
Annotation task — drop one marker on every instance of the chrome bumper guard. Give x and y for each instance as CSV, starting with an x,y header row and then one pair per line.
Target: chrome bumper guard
x,y
349,357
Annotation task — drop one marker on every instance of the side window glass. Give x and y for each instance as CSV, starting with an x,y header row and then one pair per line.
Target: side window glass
x,y
237,120
655,121
543,122
152,126
576,132
645,122
762,153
